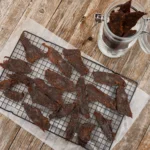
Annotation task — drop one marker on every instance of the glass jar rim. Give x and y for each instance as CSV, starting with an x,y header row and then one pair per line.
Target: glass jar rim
x,y
110,8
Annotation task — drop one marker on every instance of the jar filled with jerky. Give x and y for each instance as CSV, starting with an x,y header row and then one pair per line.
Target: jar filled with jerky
x,y
123,23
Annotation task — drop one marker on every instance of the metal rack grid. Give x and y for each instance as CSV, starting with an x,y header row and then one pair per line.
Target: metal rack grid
x,y
58,127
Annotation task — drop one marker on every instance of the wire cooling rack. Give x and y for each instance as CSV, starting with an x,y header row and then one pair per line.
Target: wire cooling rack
x,y
98,140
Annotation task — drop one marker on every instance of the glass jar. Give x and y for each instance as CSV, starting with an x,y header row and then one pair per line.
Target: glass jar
x,y
114,46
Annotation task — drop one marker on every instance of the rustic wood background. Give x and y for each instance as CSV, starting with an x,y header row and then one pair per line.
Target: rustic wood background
x,y
73,20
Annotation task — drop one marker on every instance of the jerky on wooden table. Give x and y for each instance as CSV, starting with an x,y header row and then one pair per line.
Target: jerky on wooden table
x,y
105,125
109,79
74,58
82,98
53,93
37,117
6,84
94,94
125,8
57,59
32,52
14,95
123,106
84,134
59,81
16,65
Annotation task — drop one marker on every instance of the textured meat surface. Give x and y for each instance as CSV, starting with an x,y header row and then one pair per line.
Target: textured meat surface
x,y
82,98
57,59
84,134
59,81
40,98
16,65
109,79
73,125
130,33
64,111
125,8
123,106
37,117
105,125
13,95
74,58
52,92
6,84
94,94
32,52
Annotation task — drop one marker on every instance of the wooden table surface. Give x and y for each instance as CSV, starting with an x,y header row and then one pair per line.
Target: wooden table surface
x,y
73,20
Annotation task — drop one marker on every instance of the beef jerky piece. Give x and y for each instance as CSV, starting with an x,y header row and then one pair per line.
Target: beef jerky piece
x,y
125,8
105,125
131,20
116,23
32,52
123,106
94,94
109,79
84,134
64,111
52,92
130,33
6,84
37,117
82,98
16,65
59,81
16,96
74,58
40,98
21,78
57,59
73,124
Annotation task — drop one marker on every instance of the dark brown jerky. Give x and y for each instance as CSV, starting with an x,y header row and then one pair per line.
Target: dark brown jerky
x,y
74,58
16,65
32,52
116,23
109,79
123,106
130,33
73,124
40,98
21,78
37,117
52,92
16,96
94,94
131,20
82,98
105,125
64,111
125,8
59,81
84,134
57,59
6,84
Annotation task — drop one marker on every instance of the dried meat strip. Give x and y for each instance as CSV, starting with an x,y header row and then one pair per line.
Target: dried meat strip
x,y
82,98
94,94
109,79
125,8
73,125
123,106
84,134
16,65
40,98
21,78
59,81
64,111
6,84
57,59
14,95
105,125
74,58
130,33
53,93
32,52
37,117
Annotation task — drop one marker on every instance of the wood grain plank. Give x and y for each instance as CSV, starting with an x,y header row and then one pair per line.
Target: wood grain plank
x,y
45,147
